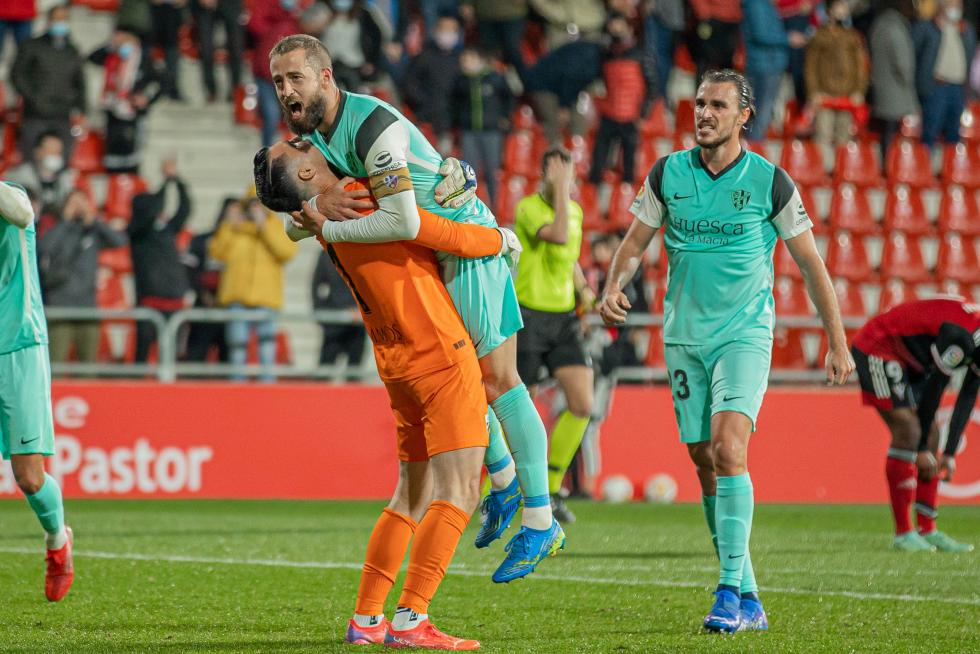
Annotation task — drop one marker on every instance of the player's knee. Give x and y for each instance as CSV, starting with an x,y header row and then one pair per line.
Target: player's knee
x,y
728,455
580,407
499,382
30,482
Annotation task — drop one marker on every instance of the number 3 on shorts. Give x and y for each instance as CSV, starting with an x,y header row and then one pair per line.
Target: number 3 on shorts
x,y
681,391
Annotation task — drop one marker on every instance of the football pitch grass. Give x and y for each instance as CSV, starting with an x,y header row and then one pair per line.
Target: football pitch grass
x,y
281,577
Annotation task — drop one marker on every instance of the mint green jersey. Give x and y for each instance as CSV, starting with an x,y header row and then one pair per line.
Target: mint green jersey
x,y
22,321
361,144
719,234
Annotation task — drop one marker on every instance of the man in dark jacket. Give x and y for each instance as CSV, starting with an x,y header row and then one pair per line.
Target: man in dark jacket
x,y
68,262
943,53
766,58
892,68
555,82
430,77
48,73
483,103
159,275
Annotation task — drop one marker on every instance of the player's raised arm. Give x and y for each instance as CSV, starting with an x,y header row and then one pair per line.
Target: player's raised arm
x,y
15,206
382,145
649,211
795,227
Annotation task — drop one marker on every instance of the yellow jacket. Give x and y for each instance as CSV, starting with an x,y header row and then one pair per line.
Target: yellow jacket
x,y
254,256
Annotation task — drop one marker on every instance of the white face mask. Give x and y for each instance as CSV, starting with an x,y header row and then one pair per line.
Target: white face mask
x,y
954,14
52,162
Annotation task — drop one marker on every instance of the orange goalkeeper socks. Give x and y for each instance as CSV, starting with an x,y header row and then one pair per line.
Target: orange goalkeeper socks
x,y
385,553
435,543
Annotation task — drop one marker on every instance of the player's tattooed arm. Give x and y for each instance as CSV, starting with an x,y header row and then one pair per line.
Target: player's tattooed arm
x,y
15,206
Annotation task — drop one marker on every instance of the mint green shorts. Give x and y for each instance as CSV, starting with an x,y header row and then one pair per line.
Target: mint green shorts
x,y
483,292
708,379
26,426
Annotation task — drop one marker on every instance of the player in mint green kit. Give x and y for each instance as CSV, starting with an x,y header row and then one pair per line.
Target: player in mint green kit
x,y
26,428
722,209
363,137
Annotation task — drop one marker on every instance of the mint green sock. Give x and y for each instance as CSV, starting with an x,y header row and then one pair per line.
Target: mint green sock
x,y
497,456
749,584
733,517
528,443
48,506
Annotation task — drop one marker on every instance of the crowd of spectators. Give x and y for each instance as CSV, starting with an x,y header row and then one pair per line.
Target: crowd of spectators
x,y
592,69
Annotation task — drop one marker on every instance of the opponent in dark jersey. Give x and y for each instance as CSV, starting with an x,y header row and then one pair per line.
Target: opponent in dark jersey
x,y
905,359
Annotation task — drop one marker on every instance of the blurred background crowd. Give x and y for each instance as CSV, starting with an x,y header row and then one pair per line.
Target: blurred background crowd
x,y
133,124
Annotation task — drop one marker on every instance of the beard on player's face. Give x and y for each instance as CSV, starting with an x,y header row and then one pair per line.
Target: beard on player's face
x,y
305,118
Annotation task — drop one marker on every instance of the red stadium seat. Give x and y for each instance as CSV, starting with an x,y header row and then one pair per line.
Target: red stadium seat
x,y
646,156
970,123
119,197
958,212
957,260
619,216
684,116
905,211
655,348
86,157
790,297
783,262
849,299
245,100
10,156
910,163
655,125
519,154
895,292
961,165
902,259
910,127
857,163
118,260
523,118
511,190
803,162
787,349
581,151
850,210
592,219
684,142
847,258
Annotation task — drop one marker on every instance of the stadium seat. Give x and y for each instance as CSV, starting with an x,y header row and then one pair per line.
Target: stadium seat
x,y
783,262
847,258
790,296
958,212
655,125
849,299
684,116
655,348
587,196
969,126
901,258
118,260
803,162
961,165
519,154
11,156
245,100
806,197
910,127
905,211
619,216
523,118
511,190
683,141
895,292
850,210
910,163
86,157
787,349
581,151
646,156
957,259
857,163
119,196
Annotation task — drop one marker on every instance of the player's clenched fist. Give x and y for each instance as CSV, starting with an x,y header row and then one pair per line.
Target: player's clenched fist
x,y
614,307
839,364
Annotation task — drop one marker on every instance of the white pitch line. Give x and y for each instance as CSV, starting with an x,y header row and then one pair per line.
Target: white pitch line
x,y
605,581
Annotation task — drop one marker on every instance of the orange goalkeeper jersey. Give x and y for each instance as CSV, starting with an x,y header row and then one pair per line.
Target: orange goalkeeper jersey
x,y
407,311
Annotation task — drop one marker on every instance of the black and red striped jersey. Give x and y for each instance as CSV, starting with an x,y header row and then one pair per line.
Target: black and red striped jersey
x,y
943,332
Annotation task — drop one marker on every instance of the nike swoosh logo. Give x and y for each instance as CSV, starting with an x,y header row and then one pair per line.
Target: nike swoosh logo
x,y
735,557
30,440
734,397
682,197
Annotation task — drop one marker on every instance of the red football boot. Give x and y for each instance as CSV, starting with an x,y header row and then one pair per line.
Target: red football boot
x,y
373,635
426,636
61,570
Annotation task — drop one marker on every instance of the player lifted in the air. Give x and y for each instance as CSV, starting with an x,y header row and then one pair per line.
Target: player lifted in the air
x,y
722,209
26,427
905,359
365,138
430,370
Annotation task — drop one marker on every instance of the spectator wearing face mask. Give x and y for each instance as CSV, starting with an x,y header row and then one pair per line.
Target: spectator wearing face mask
x,y
352,33
131,85
630,79
430,77
68,261
944,50
482,102
46,173
48,73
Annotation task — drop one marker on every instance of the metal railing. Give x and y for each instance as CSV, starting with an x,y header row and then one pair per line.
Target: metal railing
x,y
169,367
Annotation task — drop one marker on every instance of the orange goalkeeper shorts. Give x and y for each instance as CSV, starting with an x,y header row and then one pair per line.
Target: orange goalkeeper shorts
x,y
440,412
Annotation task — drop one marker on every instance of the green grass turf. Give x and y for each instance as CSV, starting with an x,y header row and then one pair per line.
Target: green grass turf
x,y
634,578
